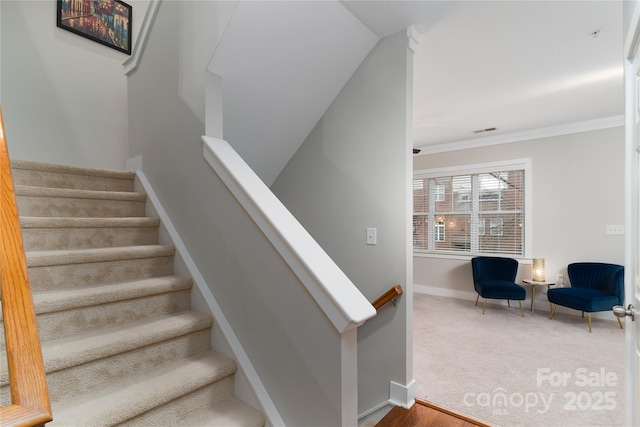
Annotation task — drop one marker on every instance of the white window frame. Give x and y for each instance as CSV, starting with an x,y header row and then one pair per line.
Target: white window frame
x,y
496,225
474,169
439,232
438,192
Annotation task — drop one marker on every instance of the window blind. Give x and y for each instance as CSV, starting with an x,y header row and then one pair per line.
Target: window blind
x,y
481,213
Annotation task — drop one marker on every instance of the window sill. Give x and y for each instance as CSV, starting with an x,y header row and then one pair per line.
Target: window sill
x,y
467,257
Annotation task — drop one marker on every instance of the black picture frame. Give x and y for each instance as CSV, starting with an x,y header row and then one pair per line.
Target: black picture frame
x,y
107,22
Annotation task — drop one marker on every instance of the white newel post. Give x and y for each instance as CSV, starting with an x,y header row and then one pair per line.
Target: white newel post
x,y
349,376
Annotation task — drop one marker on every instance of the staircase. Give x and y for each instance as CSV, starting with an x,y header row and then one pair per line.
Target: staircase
x,y
120,342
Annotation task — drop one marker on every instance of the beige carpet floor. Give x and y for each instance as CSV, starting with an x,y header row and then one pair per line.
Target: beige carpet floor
x,y
508,370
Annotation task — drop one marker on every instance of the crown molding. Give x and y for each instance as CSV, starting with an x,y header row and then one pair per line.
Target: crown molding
x,y
566,129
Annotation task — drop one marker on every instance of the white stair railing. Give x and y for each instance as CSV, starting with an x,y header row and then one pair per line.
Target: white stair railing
x,y
313,308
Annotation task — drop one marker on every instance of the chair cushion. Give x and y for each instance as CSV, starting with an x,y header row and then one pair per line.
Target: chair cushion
x,y
500,289
604,277
583,299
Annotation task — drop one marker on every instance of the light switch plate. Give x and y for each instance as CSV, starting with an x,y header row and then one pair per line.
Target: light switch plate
x,y
372,236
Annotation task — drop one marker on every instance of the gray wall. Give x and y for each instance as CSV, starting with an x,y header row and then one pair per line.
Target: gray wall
x,y
63,96
578,188
350,174
282,331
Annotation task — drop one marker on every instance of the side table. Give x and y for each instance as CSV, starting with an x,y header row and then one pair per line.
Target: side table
x,y
533,284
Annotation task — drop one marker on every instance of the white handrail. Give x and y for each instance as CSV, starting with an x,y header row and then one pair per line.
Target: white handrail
x,y
332,290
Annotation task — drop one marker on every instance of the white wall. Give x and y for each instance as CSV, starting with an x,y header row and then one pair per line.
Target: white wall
x,y
578,188
296,56
289,341
63,96
373,108
350,174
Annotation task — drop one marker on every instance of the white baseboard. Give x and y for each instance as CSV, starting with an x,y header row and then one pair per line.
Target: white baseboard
x,y
260,393
541,305
444,292
402,395
399,395
376,413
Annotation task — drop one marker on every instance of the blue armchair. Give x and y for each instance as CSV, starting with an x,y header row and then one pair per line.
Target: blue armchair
x,y
494,278
595,286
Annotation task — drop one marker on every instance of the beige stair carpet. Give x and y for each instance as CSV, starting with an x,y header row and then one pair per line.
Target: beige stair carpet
x,y
120,342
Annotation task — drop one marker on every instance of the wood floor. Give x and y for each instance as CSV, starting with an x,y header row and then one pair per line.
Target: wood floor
x,y
425,414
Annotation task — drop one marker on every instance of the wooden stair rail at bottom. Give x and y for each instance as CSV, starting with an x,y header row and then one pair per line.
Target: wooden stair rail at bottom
x,y
387,297
27,379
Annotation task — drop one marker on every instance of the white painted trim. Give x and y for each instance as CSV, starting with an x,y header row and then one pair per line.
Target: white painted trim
x,y
471,296
402,395
377,412
633,35
444,292
566,129
337,296
632,244
349,377
268,407
512,164
466,257
132,62
413,37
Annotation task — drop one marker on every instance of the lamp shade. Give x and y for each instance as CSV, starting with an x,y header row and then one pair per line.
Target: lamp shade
x,y
538,269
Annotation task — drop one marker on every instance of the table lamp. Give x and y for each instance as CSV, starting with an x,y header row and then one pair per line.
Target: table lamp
x,y
538,269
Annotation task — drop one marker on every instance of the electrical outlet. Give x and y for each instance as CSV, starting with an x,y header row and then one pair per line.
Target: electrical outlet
x,y
615,229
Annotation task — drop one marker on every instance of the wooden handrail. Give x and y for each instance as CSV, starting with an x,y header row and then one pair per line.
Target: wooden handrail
x,y
387,297
27,380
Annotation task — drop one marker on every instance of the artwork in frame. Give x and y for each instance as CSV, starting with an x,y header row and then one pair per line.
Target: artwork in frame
x,y
105,21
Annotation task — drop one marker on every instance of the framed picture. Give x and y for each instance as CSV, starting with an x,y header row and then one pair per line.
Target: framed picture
x,y
105,21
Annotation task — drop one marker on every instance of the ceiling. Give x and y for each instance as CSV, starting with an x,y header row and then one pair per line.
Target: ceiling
x,y
515,66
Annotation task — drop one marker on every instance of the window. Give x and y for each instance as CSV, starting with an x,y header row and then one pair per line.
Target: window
x,y
439,232
473,210
438,192
496,227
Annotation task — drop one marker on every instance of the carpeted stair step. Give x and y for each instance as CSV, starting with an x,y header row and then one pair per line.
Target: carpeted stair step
x,y
70,312
76,311
58,202
142,395
119,340
209,406
79,364
212,411
43,233
57,270
59,176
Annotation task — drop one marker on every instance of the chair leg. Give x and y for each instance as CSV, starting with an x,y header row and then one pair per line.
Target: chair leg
x,y
477,298
484,306
583,314
521,310
619,323
508,303
553,310
589,320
